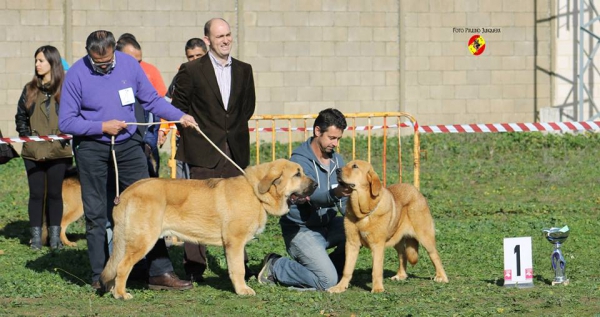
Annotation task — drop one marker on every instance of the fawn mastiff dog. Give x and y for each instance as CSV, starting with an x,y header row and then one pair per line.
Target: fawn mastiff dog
x,y
72,208
378,217
225,212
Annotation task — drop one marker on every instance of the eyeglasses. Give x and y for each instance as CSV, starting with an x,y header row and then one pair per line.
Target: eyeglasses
x,y
103,64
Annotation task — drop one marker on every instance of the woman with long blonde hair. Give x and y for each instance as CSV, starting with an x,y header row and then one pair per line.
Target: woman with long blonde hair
x,y
45,162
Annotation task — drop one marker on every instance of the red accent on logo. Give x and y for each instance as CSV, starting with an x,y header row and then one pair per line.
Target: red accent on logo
x,y
507,275
476,44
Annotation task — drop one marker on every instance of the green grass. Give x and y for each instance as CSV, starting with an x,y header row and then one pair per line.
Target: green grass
x,y
481,189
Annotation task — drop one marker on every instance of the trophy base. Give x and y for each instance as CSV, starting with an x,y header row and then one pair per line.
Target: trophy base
x,y
565,282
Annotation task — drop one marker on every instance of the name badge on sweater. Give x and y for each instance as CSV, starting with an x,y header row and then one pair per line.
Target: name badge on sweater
x,y
127,97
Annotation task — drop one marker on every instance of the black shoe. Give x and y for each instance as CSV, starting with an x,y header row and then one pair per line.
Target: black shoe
x,y
54,236
36,238
195,277
265,276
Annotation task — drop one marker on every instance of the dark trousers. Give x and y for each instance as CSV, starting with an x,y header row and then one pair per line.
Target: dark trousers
x,y
194,255
45,190
152,158
96,173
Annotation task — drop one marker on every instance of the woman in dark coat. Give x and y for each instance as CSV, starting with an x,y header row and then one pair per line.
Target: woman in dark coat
x,y
45,162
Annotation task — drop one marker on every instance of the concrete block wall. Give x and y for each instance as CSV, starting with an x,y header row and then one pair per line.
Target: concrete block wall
x,y
309,55
24,26
355,55
443,83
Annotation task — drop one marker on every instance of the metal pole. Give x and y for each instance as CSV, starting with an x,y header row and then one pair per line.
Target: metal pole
x,y
580,75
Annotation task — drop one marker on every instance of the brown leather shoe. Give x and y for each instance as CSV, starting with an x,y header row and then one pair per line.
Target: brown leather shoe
x,y
168,281
98,287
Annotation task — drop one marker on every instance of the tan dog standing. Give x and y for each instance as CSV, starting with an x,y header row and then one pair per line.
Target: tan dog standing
x,y
377,217
72,209
224,212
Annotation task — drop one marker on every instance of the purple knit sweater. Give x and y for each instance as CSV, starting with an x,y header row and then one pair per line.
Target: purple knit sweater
x,y
88,99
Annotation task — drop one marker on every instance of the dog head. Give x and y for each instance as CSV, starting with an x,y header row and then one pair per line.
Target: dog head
x,y
365,184
359,174
280,181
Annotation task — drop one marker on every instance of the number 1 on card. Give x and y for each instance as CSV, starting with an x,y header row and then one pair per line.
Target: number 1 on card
x,y
518,264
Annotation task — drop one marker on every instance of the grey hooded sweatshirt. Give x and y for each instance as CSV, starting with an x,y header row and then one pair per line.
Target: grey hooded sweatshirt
x,y
323,205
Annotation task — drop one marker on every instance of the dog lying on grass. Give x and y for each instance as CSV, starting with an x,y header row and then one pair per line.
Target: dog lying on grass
x,y
377,217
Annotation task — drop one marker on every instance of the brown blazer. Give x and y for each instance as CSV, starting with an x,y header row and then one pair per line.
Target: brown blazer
x,y
197,94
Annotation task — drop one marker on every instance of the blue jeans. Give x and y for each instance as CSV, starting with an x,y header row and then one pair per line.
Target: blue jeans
x,y
183,170
311,266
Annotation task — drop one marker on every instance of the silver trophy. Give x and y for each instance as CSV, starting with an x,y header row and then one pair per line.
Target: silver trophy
x,y
557,236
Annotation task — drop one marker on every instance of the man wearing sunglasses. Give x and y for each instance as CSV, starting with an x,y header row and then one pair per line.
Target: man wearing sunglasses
x,y
98,97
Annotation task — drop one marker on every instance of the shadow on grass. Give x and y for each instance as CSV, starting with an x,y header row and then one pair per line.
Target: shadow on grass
x,y
20,229
500,281
71,264
17,229
362,278
219,282
543,280
497,282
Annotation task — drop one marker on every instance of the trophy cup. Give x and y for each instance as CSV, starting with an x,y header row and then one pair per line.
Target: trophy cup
x,y
557,236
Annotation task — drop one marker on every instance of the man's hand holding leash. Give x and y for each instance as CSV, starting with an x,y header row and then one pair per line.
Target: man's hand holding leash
x,y
188,121
113,127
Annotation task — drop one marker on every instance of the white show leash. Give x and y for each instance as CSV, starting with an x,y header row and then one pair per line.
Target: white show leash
x,y
112,149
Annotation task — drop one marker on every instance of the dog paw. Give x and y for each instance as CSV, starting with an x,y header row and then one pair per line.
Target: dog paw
x,y
125,296
399,277
377,290
246,291
441,279
337,289
70,244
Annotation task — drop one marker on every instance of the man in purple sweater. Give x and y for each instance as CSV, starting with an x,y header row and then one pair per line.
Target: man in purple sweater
x,y
97,100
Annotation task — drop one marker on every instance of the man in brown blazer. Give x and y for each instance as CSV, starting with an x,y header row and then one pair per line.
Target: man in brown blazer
x,y
218,91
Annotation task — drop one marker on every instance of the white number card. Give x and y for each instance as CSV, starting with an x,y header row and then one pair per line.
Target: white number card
x,y
518,265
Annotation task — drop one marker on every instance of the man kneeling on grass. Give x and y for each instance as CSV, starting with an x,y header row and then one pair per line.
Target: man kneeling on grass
x,y
313,226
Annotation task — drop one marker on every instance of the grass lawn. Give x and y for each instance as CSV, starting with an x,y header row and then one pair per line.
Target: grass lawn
x,y
481,188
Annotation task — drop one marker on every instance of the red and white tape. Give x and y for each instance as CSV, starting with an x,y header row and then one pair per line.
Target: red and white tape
x,y
23,139
454,128
472,128
512,127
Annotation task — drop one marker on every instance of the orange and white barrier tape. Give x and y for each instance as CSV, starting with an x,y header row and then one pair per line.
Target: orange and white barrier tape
x,y
452,128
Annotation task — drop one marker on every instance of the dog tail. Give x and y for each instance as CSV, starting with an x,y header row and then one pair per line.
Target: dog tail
x,y
118,251
411,249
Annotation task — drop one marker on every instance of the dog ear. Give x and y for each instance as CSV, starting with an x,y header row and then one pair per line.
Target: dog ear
x,y
375,182
271,178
